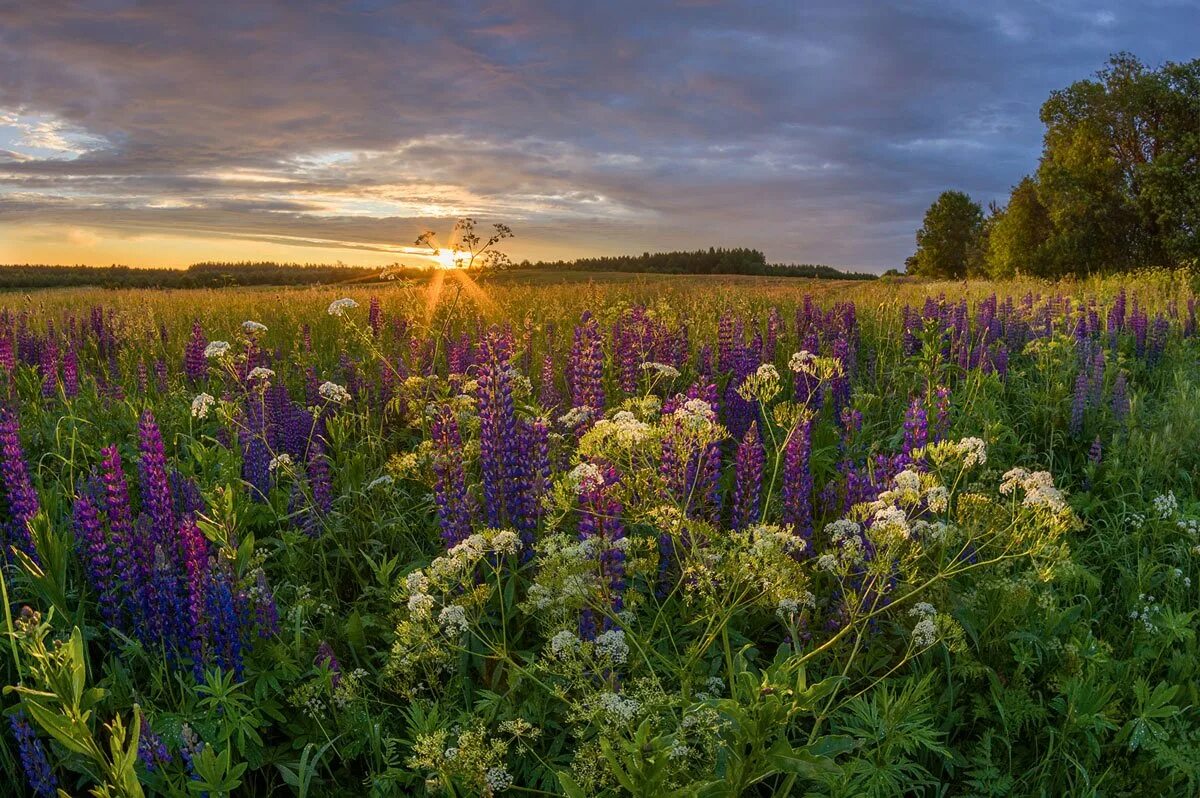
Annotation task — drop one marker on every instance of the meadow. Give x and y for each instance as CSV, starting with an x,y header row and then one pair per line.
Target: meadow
x,y
547,535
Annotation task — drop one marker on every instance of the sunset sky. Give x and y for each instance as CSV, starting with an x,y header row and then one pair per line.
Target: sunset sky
x,y
167,133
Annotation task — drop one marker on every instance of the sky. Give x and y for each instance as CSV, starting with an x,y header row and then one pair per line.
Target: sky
x,y
166,133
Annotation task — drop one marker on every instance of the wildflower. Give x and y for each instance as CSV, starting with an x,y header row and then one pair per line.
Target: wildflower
x,y
506,542
925,633
338,307
420,605
260,373
252,327
618,708
661,369
761,386
453,620
973,452
937,499
202,404
564,642
498,778
585,477
612,645
577,416
380,481
1166,505
280,461
803,362
332,392
34,762
216,349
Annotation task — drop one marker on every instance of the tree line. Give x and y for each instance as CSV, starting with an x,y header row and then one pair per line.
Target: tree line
x,y
714,260
1117,186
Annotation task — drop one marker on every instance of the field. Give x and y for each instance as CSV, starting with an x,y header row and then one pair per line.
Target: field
x,y
549,535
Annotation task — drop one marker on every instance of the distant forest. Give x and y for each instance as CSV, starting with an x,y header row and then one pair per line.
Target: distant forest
x,y
221,275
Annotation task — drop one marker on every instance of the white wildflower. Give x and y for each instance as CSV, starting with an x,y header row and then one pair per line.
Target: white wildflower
x,y
380,481
803,362
973,452
576,416
925,633
332,392
661,369
1166,505
937,499
420,605
506,542
498,778
585,477
619,708
216,349
338,307
260,373
453,620
251,327
611,644
565,642
279,461
202,404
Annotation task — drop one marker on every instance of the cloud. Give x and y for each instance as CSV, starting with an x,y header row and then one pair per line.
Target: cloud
x,y
816,131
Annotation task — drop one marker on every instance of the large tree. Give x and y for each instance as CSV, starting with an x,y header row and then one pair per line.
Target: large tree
x,y
1019,235
949,241
1120,168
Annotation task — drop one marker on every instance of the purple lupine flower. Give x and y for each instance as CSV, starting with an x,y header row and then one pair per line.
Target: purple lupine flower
x,y
160,375
126,554
600,521
49,366
499,455
587,365
748,473
327,659
34,762
8,358
916,427
152,751
941,424
266,613
1096,452
1120,397
256,453
1079,403
19,494
320,481
375,316
153,482
1140,325
96,553
797,489
1157,344
70,372
450,487
224,623
195,364
195,570
530,477
774,327
839,386
548,395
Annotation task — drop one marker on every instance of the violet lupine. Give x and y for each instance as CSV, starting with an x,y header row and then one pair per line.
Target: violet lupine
x,y
32,752
154,482
1079,403
587,365
600,522
70,372
195,574
375,316
797,489
96,553
1096,452
548,395
328,660
748,474
916,427
19,494
224,623
530,478
8,358
839,384
499,457
320,480
941,424
49,366
1120,397
152,751
117,509
196,365
1157,343
450,486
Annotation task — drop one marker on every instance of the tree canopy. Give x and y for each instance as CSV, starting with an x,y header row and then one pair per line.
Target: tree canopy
x,y
1117,186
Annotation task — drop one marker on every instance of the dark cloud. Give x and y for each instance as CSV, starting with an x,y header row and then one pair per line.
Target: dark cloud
x,y
818,131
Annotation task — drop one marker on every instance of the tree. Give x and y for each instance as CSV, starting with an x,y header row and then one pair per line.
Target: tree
x,y
948,243
1120,168
1019,238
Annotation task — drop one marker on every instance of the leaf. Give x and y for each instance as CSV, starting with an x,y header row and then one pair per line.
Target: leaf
x,y
570,788
786,759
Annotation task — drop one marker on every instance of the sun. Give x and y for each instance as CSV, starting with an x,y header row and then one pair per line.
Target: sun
x,y
451,258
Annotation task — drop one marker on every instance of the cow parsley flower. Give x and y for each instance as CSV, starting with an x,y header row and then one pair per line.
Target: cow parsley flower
x,y
202,404
661,369
216,349
611,644
338,307
1166,505
761,386
260,373
565,642
619,708
252,327
925,633
498,778
585,477
453,620
332,392
803,362
279,461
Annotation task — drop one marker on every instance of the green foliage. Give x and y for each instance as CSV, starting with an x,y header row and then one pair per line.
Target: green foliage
x,y
950,239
